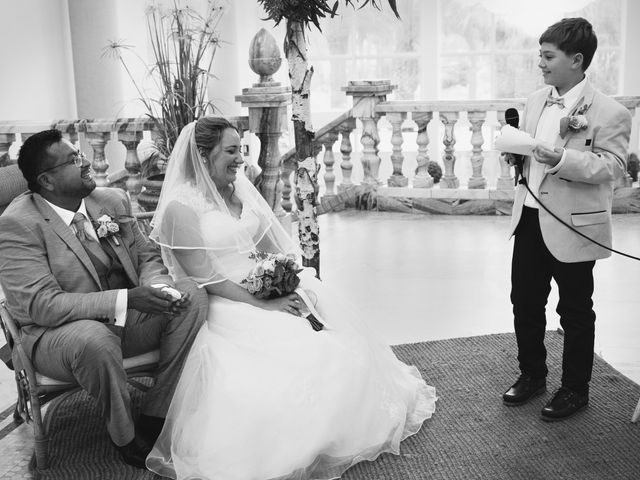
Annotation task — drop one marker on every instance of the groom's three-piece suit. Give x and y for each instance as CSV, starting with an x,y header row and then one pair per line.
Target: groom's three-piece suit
x,y
65,303
579,190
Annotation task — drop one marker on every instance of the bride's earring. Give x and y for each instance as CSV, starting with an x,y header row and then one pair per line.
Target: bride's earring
x,y
204,157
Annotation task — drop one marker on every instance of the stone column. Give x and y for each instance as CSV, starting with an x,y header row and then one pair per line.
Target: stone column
x,y
366,95
327,141
422,178
449,179
98,133
346,165
505,181
397,179
130,134
267,103
477,159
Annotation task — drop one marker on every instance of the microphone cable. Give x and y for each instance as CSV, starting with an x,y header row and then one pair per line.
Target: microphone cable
x,y
523,181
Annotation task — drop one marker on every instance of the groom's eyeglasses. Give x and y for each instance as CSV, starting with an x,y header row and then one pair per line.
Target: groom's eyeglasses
x,y
78,159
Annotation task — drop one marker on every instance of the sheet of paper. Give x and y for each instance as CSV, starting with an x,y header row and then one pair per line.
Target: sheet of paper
x,y
512,140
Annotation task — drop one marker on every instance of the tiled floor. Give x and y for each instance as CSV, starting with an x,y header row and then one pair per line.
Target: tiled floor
x,y
420,277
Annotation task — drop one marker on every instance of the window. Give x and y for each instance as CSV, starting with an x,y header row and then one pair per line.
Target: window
x,y
479,50
489,48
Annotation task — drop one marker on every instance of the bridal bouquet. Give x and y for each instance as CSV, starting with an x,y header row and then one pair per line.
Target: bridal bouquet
x,y
274,275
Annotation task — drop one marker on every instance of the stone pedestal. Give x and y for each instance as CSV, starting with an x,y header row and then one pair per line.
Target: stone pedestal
x,y
267,103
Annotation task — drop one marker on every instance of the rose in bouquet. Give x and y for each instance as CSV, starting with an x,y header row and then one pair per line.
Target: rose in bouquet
x,y
274,275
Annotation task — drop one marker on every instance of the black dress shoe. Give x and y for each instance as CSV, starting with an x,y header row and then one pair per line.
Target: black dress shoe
x,y
524,390
135,453
149,427
565,402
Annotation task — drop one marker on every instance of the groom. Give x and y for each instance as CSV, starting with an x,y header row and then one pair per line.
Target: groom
x,y
86,298
574,180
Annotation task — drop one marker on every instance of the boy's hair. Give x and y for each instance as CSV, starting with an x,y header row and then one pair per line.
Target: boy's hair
x,y
572,35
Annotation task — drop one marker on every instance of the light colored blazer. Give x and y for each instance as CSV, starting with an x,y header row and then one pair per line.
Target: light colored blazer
x,y
581,191
46,275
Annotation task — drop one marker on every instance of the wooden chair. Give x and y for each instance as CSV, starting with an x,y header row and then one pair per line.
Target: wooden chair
x,y
35,389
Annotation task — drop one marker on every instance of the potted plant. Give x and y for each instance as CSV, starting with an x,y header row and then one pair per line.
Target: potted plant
x,y
184,42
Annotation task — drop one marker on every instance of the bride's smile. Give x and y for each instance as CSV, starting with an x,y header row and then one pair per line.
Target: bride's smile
x,y
225,159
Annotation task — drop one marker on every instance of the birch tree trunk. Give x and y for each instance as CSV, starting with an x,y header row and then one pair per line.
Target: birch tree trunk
x,y
306,177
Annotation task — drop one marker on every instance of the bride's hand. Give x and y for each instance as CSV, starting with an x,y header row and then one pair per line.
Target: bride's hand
x,y
289,303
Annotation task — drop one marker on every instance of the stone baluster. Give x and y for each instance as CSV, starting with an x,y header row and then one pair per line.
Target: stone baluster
x,y
100,164
397,179
327,141
477,159
505,180
366,95
346,165
6,140
69,130
449,179
130,140
422,177
267,103
370,159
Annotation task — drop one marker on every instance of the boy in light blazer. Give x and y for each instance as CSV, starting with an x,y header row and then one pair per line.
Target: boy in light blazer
x,y
574,180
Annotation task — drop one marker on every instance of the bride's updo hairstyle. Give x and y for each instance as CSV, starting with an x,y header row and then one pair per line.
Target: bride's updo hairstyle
x,y
208,133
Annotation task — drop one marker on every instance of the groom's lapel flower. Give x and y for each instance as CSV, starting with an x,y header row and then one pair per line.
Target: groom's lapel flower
x,y
575,121
106,226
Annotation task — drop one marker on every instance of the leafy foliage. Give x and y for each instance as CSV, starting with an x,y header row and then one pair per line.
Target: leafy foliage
x,y
184,43
310,12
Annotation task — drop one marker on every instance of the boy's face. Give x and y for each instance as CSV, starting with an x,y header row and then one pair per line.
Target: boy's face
x,y
559,69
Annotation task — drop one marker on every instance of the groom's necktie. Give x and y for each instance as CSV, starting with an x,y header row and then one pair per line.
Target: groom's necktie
x,y
554,101
91,246
109,269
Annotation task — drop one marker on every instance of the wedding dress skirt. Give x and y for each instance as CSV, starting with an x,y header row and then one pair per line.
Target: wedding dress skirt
x,y
264,396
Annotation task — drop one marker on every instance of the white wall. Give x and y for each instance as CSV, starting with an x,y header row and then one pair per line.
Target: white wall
x,y
631,69
37,68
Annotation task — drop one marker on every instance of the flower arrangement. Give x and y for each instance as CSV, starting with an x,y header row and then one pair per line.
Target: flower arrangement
x,y
575,122
274,275
184,43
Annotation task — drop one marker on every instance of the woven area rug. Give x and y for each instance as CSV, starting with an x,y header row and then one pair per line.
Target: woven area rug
x,y
471,436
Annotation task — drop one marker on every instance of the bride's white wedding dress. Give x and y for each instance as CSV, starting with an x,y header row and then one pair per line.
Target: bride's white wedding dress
x,y
264,396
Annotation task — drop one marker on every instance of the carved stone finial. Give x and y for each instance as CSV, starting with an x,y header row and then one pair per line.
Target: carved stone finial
x,y
264,56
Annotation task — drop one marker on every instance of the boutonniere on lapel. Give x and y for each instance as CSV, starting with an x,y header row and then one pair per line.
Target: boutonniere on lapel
x,y
575,121
106,227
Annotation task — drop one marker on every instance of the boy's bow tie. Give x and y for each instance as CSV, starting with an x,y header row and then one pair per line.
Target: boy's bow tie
x,y
554,100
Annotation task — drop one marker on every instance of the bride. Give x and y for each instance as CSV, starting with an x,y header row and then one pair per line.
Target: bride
x,y
263,395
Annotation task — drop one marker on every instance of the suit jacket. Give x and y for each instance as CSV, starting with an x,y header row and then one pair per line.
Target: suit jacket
x,y
46,275
581,191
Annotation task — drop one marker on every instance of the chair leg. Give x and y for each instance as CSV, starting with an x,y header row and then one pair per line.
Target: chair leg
x,y
40,434
17,418
636,413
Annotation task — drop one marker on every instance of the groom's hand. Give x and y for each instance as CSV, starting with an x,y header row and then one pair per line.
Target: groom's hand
x,y
148,299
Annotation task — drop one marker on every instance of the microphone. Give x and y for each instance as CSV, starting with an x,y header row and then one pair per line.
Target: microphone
x,y
512,118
